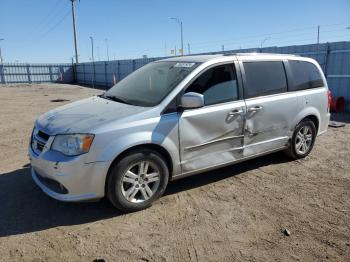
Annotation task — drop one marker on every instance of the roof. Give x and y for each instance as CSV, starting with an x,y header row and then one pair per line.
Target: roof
x,y
205,58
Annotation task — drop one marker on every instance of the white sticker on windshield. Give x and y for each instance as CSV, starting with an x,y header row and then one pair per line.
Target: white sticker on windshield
x,y
184,65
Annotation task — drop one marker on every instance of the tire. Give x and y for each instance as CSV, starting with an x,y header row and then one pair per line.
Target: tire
x,y
296,148
133,183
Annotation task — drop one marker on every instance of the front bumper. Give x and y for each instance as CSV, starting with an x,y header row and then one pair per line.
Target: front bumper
x,y
81,181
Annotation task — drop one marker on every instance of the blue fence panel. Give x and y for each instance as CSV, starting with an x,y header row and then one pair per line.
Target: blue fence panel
x,y
11,73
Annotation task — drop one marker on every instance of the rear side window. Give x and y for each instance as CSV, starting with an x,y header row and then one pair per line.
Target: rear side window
x,y
305,75
217,84
264,78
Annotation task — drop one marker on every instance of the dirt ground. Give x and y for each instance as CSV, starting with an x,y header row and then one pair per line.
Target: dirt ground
x,y
236,213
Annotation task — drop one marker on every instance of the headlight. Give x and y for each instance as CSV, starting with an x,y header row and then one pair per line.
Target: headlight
x,y
72,145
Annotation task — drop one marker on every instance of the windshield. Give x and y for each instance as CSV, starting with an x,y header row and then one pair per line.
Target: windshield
x,y
149,85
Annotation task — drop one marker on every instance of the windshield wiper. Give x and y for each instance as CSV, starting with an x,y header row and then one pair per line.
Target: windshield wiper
x,y
116,99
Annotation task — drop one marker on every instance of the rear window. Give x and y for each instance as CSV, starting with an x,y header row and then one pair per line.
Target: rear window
x,y
305,75
264,78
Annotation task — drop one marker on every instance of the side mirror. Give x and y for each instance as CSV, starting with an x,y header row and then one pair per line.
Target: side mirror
x,y
192,100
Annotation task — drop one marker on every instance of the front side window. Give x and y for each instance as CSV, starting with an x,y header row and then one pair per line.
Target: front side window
x,y
149,85
264,78
305,75
217,84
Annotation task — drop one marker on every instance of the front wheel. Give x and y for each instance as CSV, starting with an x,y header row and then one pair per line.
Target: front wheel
x,y
303,139
137,180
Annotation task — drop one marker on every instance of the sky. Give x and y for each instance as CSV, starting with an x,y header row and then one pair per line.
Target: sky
x,y
40,31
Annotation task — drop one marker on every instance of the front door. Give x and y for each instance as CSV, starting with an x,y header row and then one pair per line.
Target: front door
x,y
213,135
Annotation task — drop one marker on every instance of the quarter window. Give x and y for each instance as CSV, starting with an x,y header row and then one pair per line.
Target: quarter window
x,y
264,78
218,85
305,75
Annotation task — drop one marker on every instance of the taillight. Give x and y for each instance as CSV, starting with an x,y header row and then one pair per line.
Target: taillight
x,y
329,94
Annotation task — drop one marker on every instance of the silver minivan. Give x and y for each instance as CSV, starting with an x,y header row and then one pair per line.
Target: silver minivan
x,y
178,117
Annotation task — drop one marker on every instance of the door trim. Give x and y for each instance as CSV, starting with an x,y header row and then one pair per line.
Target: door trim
x,y
213,141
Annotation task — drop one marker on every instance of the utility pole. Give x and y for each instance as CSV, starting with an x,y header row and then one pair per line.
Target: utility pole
x,y
181,31
93,61
189,48
223,48
1,60
107,49
75,32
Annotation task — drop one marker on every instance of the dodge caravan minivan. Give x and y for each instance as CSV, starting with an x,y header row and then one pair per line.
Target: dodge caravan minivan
x,y
178,117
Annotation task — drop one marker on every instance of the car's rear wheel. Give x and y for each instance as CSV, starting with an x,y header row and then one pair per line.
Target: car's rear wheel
x,y
137,180
303,139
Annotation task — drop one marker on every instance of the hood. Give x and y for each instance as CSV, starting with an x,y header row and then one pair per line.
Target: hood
x,y
86,115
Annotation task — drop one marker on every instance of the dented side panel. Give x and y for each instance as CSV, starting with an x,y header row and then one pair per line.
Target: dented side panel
x,y
211,136
271,126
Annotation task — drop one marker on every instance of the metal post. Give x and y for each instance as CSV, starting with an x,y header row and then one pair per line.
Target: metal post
x,y
84,74
2,74
115,72
1,59
107,49
75,32
28,74
318,35
75,74
93,62
223,48
106,79
118,72
326,60
189,48
98,54
50,71
182,40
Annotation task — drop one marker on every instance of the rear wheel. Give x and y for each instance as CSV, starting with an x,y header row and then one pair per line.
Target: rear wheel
x,y
137,180
303,139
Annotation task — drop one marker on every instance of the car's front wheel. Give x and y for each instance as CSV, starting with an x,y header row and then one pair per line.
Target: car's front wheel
x,y
137,180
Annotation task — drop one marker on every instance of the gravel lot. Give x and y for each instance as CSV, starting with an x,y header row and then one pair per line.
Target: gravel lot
x,y
231,214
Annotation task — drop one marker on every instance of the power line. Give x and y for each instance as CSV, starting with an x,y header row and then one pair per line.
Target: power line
x,y
49,19
272,43
303,29
55,25
52,11
258,39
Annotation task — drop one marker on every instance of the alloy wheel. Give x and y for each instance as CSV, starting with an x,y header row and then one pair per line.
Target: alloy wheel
x,y
140,182
304,140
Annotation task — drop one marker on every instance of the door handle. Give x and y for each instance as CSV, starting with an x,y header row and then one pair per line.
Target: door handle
x,y
235,112
255,109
